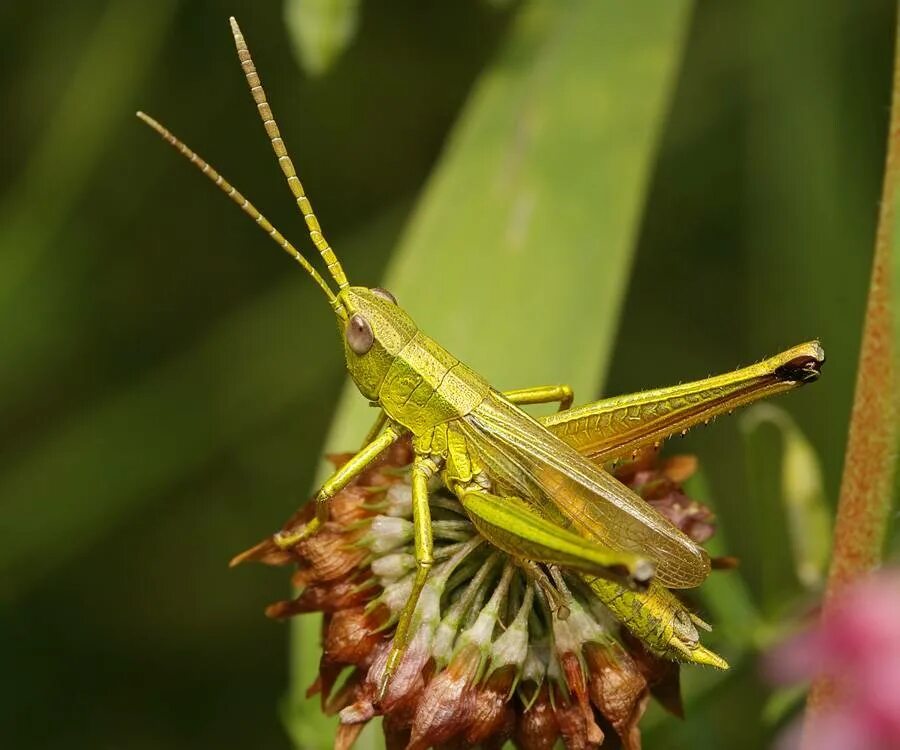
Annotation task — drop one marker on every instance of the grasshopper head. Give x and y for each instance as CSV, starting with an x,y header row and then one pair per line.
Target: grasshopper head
x,y
374,329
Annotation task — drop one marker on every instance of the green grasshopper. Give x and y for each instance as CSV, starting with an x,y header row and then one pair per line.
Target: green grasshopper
x,y
534,488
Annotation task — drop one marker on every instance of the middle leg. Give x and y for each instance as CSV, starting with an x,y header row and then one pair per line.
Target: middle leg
x,y
542,394
422,470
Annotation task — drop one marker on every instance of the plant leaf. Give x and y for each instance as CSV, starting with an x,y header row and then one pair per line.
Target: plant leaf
x,y
89,110
320,31
526,229
802,493
36,207
240,377
725,594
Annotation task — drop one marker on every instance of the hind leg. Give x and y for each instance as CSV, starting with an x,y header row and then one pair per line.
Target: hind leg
x,y
513,526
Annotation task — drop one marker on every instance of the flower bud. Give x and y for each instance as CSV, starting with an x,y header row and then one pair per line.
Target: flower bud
x,y
538,728
447,703
399,500
387,533
618,689
394,565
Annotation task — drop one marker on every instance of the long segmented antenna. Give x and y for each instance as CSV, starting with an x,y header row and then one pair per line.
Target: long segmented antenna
x,y
246,206
284,160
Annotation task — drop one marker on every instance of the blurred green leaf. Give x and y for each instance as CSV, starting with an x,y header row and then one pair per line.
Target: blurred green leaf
x,y
802,493
526,229
93,105
725,594
796,158
120,453
73,138
737,623
320,30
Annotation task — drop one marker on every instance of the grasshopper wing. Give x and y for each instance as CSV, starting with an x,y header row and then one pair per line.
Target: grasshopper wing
x,y
524,458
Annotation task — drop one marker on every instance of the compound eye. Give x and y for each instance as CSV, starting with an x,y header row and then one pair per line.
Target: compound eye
x,y
359,335
384,294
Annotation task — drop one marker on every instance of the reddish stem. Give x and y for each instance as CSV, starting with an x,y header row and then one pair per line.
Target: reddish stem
x,y
870,462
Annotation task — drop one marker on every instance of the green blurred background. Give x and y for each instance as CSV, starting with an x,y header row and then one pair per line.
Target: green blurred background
x,y
167,379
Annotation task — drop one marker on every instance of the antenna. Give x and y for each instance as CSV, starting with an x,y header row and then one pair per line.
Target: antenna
x,y
246,206
284,160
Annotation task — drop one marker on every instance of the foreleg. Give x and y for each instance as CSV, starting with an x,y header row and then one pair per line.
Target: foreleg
x,y
335,483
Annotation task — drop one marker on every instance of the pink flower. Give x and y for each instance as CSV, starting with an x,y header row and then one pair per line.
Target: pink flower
x,y
857,648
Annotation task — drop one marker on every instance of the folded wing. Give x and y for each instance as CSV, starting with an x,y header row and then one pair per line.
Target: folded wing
x,y
526,459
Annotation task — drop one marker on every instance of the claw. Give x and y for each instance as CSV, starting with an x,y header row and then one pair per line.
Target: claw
x,y
393,661
382,689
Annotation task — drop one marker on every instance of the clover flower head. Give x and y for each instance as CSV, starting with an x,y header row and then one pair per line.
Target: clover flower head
x,y
492,656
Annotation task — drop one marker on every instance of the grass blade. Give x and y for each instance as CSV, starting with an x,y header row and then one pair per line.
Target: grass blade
x,y
802,493
527,227
129,32
93,471
320,30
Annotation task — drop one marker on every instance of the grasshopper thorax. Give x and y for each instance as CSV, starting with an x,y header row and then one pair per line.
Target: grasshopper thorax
x,y
374,329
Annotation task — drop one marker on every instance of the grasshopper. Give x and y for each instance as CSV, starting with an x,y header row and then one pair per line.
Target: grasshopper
x,y
534,488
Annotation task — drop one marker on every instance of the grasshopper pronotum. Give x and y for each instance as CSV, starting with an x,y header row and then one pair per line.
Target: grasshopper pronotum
x,y
534,488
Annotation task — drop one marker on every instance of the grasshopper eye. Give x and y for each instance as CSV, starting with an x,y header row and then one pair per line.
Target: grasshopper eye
x,y
359,334
384,294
